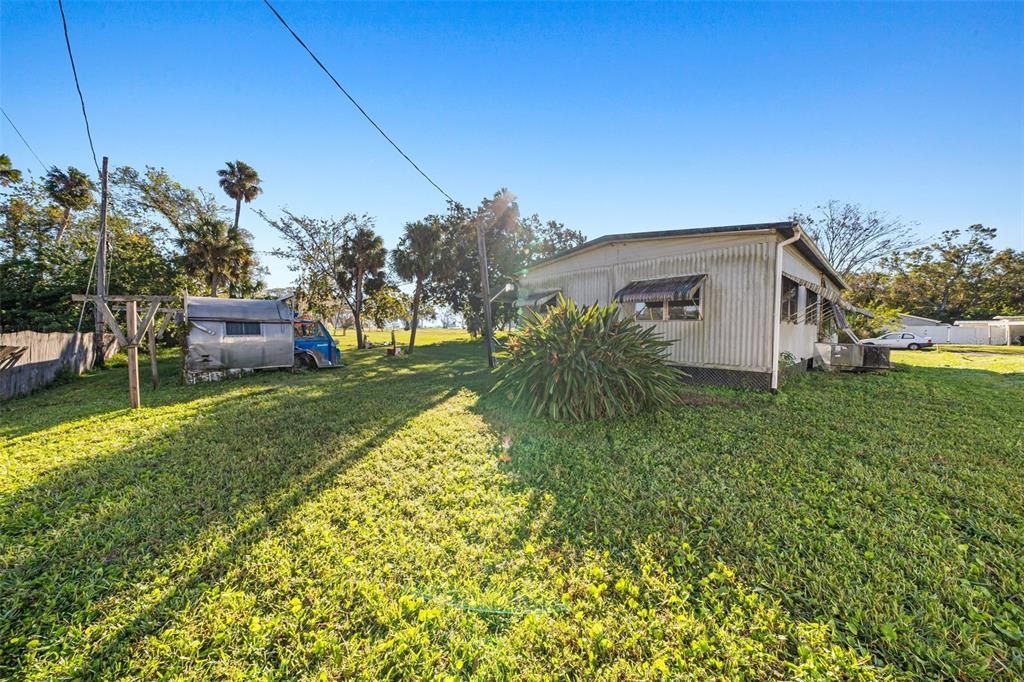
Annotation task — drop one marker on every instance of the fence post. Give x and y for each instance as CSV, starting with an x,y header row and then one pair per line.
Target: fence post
x,y
133,354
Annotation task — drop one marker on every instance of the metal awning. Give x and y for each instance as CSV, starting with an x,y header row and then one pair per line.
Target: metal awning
x,y
828,294
664,289
538,299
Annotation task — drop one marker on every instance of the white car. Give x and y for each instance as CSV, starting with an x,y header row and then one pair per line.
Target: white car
x,y
905,340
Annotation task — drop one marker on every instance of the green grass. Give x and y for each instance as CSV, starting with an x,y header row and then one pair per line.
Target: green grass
x,y
394,519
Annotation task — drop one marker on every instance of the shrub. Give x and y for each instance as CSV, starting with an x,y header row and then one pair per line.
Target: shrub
x,y
587,363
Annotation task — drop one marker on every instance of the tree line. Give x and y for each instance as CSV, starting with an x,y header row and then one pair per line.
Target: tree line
x,y
166,238
957,275
342,262
163,238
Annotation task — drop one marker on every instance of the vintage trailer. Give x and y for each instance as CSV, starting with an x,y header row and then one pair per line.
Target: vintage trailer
x,y
235,335
741,303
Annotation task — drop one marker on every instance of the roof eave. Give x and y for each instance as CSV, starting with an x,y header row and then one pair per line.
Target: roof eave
x,y
751,228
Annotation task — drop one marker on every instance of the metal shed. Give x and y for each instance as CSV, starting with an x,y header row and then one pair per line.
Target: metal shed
x,y
237,333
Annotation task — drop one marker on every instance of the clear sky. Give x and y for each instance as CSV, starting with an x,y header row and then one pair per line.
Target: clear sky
x,y
609,117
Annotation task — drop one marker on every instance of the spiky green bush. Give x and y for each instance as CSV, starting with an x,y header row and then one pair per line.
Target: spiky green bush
x,y
587,363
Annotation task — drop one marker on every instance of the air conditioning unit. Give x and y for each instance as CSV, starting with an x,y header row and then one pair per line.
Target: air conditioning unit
x,y
850,357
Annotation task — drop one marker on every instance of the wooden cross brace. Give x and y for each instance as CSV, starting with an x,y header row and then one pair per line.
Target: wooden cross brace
x,y
126,340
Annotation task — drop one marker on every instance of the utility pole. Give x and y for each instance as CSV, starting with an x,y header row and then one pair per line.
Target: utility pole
x,y
101,270
485,289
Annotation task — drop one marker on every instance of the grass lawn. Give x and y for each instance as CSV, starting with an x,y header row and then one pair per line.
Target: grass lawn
x,y
393,519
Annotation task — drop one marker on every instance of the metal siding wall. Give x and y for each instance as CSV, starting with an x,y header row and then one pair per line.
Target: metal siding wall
x,y
736,330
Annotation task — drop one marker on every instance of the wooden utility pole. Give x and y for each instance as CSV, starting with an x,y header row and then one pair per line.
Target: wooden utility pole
x,y
101,270
485,290
133,354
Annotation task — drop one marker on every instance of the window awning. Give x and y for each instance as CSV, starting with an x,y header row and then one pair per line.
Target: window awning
x,y
664,289
538,299
828,294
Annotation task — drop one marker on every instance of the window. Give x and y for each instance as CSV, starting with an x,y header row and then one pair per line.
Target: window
x,y
684,310
244,329
790,310
908,336
891,336
811,314
307,330
654,310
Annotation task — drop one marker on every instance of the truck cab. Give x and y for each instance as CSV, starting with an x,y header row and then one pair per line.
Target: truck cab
x,y
314,346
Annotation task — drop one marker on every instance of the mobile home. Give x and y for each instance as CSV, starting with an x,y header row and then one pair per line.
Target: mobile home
x,y
741,303
237,334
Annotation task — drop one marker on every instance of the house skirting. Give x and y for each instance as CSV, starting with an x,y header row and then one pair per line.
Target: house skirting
x,y
738,378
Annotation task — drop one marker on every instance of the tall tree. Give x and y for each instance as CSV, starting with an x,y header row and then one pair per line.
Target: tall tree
x,y
71,190
9,175
387,304
363,258
241,182
946,276
418,258
210,252
336,258
852,238
550,238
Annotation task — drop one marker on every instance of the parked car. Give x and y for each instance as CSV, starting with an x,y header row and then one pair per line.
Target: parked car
x,y
905,340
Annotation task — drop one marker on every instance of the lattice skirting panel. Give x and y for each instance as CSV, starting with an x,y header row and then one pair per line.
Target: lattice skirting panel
x,y
709,376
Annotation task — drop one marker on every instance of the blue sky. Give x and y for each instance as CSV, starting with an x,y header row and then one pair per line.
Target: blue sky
x,y
609,117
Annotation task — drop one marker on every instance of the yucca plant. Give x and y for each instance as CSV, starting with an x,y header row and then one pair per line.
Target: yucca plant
x,y
577,364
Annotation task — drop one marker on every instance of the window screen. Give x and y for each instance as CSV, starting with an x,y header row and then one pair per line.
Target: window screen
x,y
243,329
650,311
685,310
790,309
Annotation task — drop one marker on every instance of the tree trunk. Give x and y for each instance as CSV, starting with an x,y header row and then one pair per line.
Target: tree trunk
x,y
415,313
357,309
238,211
214,285
64,223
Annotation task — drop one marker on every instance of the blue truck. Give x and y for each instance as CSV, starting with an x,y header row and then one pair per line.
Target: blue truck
x,y
314,346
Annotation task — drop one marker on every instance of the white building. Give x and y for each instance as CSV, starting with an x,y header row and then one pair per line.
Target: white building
x,y
999,331
733,299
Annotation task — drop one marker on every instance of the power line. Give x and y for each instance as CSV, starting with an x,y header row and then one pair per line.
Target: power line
x,y
23,139
74,71
354,102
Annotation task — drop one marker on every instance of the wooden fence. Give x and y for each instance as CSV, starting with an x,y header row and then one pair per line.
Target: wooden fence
x,y
31,360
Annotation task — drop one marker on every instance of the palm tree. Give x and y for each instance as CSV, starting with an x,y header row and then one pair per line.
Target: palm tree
x,y
8,173
210,252
363,256
71,190
417,259
243,261
239,181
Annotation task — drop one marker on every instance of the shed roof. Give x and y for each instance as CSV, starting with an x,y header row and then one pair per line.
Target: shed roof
x,y
237,309
805,245
907,316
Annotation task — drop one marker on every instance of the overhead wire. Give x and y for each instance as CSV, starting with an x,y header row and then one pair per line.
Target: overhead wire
x,y
78,86
354,102
92,147
27,145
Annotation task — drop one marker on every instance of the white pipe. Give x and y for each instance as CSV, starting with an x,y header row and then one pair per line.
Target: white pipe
x,y
777,307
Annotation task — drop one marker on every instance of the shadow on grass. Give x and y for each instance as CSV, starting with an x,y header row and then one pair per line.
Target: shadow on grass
x,y
845,498
91,532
